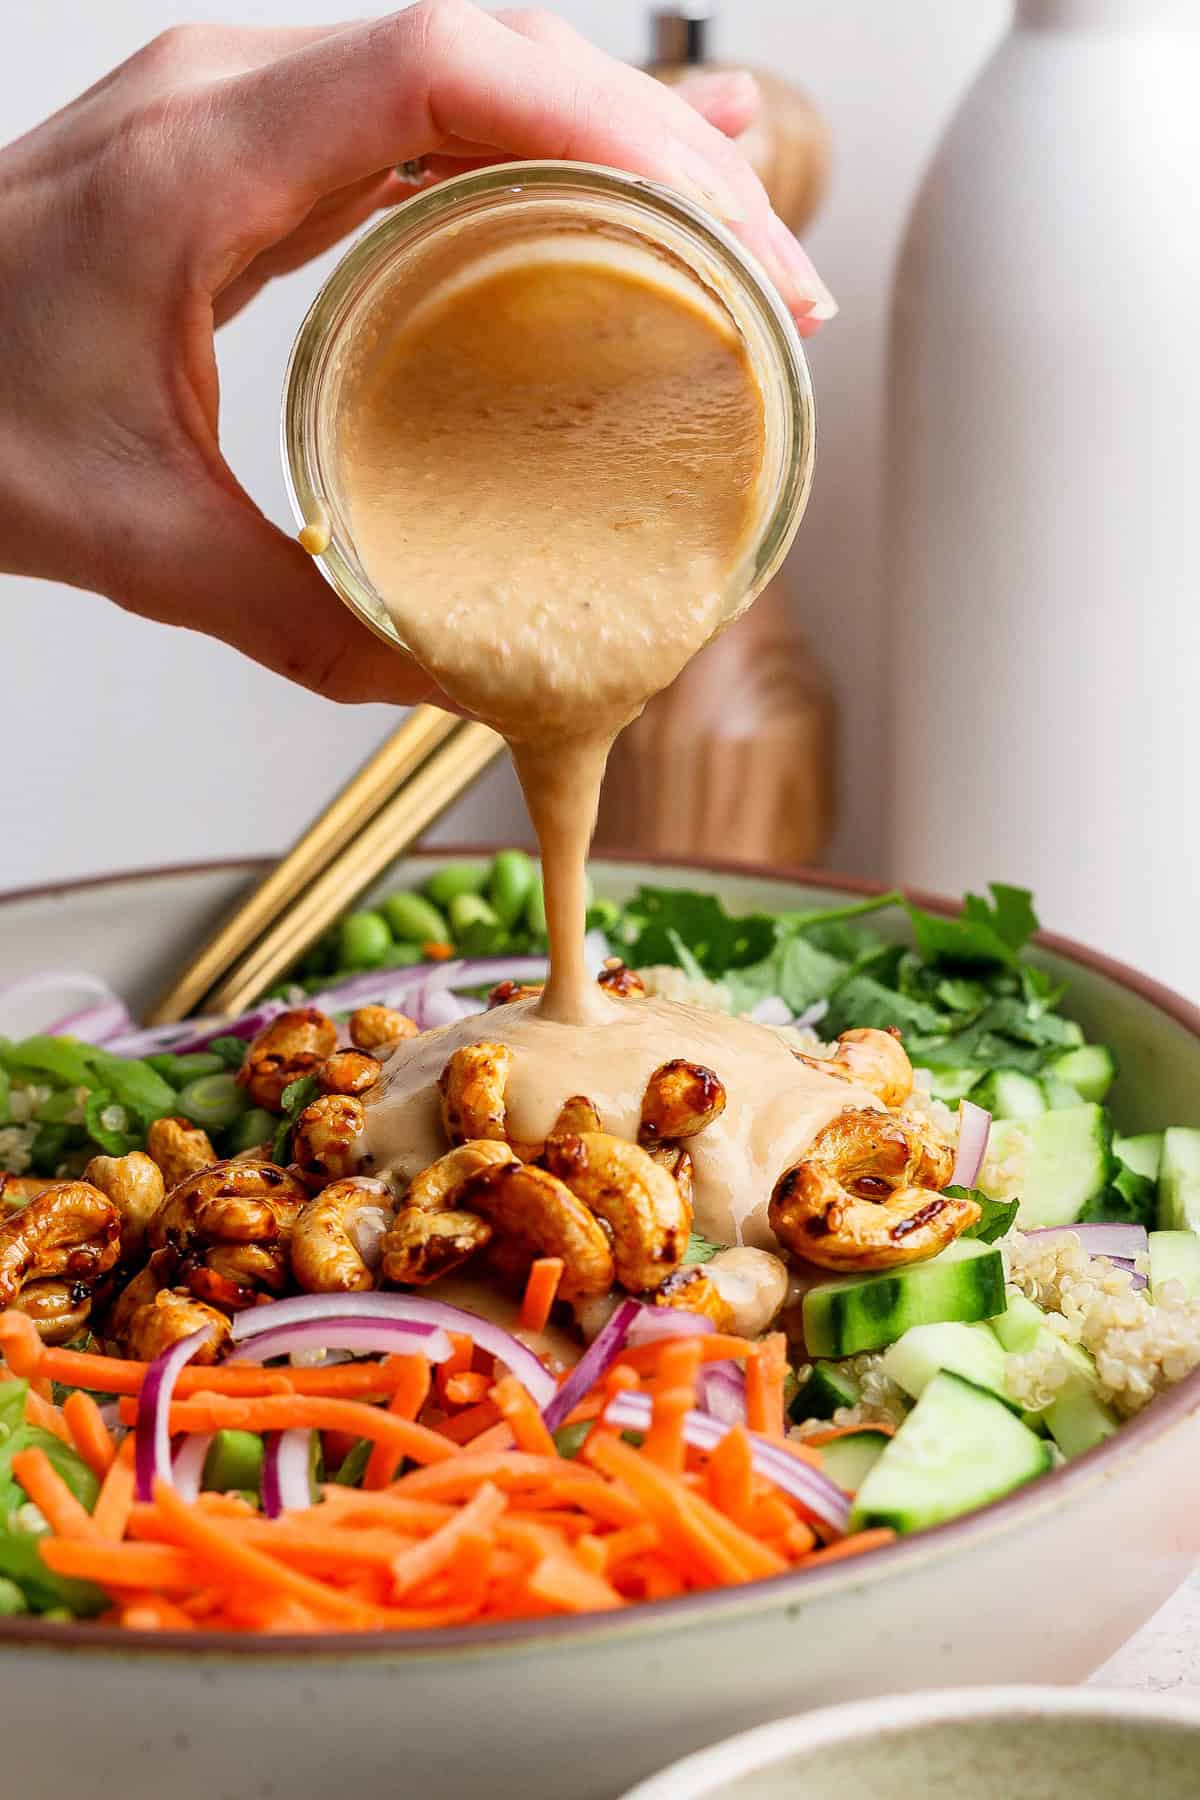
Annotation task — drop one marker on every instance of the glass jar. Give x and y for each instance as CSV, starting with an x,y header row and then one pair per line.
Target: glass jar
x,y
449,234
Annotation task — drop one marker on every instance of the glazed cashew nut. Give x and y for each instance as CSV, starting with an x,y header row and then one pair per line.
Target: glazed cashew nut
x,y
472,1086
866,1195
533,1211
331,1234
291,1046
71,1232
647,1215
325,1136
421,1245
179,1148
876,1059
681,1099
349,1072
135,1185
439,1186
373,1027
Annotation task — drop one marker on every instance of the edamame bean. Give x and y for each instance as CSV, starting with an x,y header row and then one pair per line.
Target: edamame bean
x,y
414,920
510,885
234,1460
363,940
402,956
453,879
474,927
12,1600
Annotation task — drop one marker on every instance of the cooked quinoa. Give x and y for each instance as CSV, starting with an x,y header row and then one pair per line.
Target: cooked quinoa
x,y
880,1401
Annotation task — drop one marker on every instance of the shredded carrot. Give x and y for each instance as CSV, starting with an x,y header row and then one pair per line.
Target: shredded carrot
x,y
467,1389
435,951
89,1434
731,1475
462,1352
818,1438
674,1391
110,1515
717,1346
299,1412
850,1546
416,1565
523,1418
39,1411
540,1290
766,1369
51,1495
569,1587
150,1612
463,1427
406,1402
122,1566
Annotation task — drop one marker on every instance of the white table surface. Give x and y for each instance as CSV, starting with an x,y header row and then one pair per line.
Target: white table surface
x,y
1164,1657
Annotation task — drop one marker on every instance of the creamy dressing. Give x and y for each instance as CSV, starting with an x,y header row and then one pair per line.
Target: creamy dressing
x,y
552,462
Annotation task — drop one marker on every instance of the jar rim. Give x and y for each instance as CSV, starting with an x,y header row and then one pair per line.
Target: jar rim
x,y
319,330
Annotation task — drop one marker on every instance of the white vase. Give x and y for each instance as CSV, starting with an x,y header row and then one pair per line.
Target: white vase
x,y
1042,557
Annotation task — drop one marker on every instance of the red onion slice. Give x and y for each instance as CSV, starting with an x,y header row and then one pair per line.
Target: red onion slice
x,y
652,1323
593,1365
1116,1243
824,1500
286,1479
974,1125
187,1468
772,1009
501,1344
366,1337
723,1391
152,1446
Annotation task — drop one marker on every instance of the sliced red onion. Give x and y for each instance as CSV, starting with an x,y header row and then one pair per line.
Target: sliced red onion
x,y
723,1391
815,1491
974,1127
656,1322
187,1467
772,1010
439,1006
93,1024
367,1336
157,1038
593,1365
1118,1244
415,1309
812,1015
152,1448
286,1476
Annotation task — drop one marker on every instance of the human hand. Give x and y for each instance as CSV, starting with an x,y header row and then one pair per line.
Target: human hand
x,y
151,209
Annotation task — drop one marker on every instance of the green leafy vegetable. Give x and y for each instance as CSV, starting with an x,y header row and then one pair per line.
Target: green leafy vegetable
x,y
997,1217
231,1050
700,1249
716,939
983,932
108,1122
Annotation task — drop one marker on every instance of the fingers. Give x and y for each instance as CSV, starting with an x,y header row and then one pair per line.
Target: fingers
x,y
327,224
728,99
523,85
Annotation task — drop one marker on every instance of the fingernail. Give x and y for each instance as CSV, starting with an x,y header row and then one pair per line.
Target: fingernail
x,y
735,87
797,277
698,179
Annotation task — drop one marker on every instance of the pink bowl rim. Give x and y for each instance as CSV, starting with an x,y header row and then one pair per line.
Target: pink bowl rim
x,y
463,1643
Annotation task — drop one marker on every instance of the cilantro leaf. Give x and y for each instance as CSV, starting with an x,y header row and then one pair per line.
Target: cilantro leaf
x,y
718,940
997,1216
795,970
700,1249
983,932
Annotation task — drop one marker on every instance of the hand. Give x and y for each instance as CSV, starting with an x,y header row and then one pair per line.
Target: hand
x,y
157,204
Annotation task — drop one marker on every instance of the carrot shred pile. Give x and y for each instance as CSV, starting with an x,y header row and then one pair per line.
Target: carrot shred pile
x,y
468,1513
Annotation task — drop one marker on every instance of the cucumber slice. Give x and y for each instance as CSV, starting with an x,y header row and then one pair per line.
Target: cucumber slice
x,y
1016,1328
1007,1094
952,1085
971,1351
849,1460
1078,1419
1179,1181
1175,1256
827,1388
1070,1163
865,1312
1090,1070
958,1449
1060,1093
1141,1154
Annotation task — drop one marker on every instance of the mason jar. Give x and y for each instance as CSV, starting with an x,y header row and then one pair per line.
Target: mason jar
x,y
452,234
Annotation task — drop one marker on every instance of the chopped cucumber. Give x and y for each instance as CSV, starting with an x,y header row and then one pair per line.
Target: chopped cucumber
x,y
958,1449
971,1351
1007,1094
1090,1070
1175,1256
827,1388
865,1312
849,1460
1069,1163
1017,1327
1060,1093
952,1085
1141,1154
1077,1419
1179,1181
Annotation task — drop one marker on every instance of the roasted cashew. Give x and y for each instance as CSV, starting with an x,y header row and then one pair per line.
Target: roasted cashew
x,y
472,1087
150,1316
681,1098
691,1290
648,1217
179,1148
439,1186
235,1276
420,1245
325,1136
679,1166
349,1072
328,1239
135,1185
616,978
506,992
534,1212
371,1027
59,1309
575,1115
865,1195
876,1059
231,1203
294,1044
15,1190
72,1232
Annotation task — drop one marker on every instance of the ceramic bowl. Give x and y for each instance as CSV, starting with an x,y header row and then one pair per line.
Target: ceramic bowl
x,y
1043,1586
974,1744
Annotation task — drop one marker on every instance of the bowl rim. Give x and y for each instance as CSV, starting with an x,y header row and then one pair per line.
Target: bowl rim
x,y
696,1777
1167,1413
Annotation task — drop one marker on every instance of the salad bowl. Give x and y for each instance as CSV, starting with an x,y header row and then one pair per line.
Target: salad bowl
x,y
1042,1586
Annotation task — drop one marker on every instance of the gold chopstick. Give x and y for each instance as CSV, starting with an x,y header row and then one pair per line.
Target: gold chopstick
x,y
463,755
423,730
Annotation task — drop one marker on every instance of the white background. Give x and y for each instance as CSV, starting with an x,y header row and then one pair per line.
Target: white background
x,y
125,743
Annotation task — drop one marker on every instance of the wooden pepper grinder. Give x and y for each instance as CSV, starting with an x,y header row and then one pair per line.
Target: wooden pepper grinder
x,y
735,759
